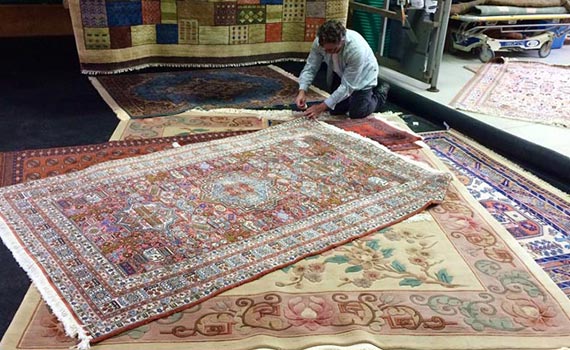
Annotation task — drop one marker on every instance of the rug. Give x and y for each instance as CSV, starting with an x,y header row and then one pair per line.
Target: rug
x,y
23,166
453,279
124,242
144,95
116,36
395,138
531,91
187,124
533,212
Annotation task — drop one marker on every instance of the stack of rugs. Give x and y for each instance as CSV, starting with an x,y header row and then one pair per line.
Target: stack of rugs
x,y
511,7
298,235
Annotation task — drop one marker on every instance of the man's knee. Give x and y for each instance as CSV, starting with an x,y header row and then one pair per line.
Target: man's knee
x,y
360,110
358,114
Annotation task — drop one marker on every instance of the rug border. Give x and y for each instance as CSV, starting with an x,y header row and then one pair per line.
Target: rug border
x,y
503,161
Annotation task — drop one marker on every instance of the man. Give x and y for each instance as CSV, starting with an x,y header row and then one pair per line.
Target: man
x,y
355,86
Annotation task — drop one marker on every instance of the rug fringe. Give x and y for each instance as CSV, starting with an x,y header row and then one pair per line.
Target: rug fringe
x,y
293,77
120,112
49,294
188,65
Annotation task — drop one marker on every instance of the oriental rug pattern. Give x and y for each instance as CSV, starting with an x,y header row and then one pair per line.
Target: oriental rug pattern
x,y
116,36
128,241
533,212
453,280
143,95
530,91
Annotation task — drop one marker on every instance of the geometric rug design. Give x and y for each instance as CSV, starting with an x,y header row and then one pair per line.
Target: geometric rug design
x,y
144,95
453,278
28,165
124,242
119,36
533,212
530,91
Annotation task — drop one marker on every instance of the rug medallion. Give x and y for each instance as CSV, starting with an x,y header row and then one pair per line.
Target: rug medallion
x,y
144,95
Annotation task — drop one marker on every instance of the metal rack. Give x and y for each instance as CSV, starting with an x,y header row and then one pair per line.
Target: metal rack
x,y
418,53
471,35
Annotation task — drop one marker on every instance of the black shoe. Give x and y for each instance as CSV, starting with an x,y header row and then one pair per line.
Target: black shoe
x,y
381,91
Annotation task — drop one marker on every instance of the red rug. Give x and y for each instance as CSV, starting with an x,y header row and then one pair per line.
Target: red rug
x,y
390,136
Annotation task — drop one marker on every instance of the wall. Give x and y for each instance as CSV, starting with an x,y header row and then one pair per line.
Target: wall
x,y
34,20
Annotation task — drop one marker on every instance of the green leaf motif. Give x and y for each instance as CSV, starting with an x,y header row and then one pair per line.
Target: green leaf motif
x,y
398,266
312,257
338,259
443,276
287,268
412,282
355,268
386,253
373,244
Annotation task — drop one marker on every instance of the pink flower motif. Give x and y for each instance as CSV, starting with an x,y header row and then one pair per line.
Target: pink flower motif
x,y
317,267
463,222
312,314
371,275
531,313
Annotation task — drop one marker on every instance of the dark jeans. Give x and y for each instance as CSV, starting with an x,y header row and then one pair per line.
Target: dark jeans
x,y
362,102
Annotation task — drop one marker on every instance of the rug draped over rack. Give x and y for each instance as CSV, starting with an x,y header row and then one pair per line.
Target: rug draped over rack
x,y
114,36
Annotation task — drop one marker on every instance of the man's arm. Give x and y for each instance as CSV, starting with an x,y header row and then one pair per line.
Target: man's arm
x,y
311,67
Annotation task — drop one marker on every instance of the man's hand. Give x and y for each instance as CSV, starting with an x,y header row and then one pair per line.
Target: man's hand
x,y
301,100
315,110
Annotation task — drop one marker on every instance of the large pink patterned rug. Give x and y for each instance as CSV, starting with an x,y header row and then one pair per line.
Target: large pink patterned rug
x,y
125,242
530,91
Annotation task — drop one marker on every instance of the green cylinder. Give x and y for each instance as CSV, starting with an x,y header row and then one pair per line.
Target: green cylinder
x,y
369,24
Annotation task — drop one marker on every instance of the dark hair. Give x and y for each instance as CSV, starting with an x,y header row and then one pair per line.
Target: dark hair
x,y
331,32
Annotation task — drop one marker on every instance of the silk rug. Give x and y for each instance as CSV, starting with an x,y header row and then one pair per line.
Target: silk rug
x,y
530,91
116,36
451,279
143,95
533,212
124,242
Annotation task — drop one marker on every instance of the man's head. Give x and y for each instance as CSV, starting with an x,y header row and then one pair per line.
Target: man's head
x,y
331,36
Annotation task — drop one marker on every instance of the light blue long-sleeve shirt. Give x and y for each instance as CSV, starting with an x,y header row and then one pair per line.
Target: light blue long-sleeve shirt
x,y
356,62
